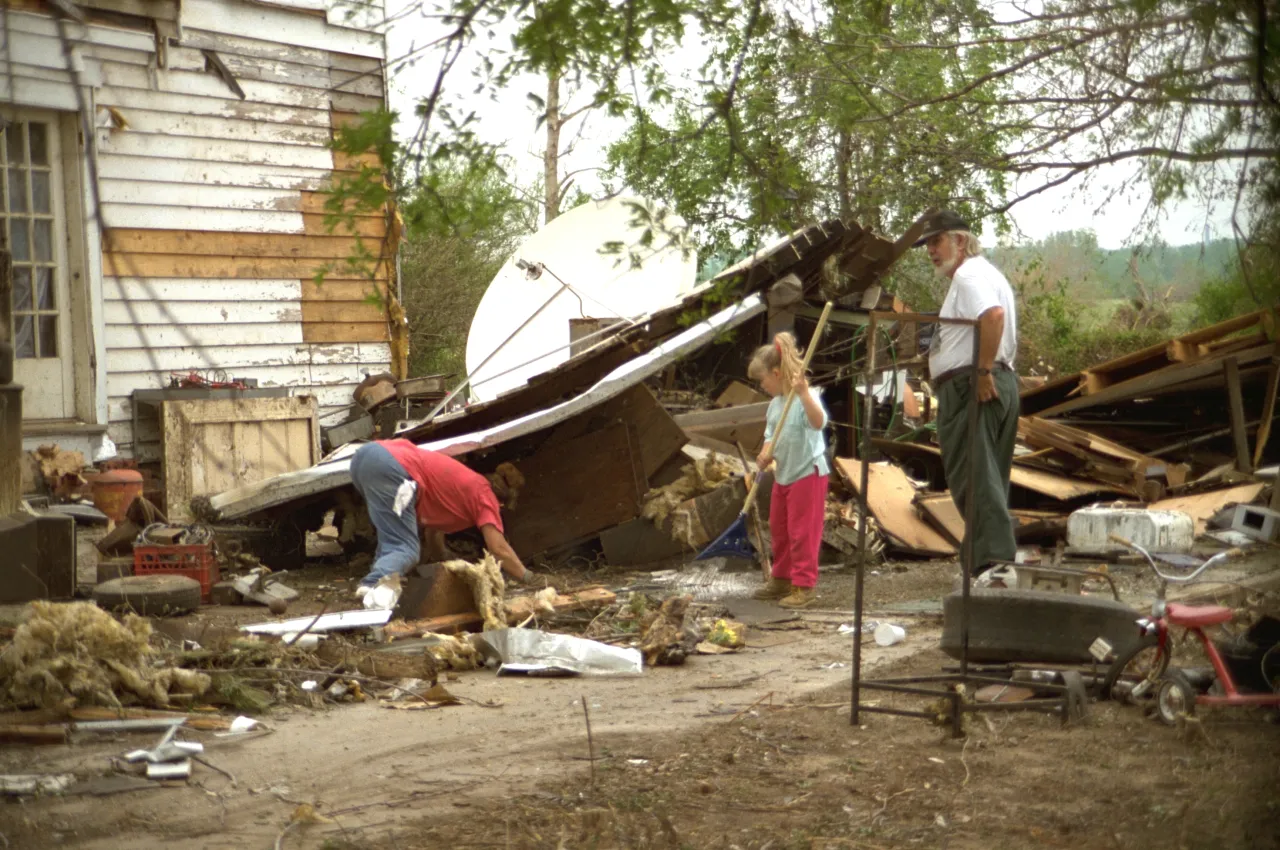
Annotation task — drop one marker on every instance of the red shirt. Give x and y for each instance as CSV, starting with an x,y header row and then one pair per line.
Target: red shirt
x,y
451,497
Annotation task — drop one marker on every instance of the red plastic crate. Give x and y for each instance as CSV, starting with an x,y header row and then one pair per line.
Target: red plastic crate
x,y
195,562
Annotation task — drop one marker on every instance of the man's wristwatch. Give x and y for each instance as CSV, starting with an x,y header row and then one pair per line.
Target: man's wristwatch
x,y
982,371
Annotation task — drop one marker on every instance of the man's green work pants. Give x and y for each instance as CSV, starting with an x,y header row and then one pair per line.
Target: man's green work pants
x,y
992,528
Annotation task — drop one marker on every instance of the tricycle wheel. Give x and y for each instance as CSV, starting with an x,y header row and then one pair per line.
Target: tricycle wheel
x,y
1175,698
1134,677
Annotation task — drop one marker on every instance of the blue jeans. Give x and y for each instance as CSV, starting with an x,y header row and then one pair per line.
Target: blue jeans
x,y
378,475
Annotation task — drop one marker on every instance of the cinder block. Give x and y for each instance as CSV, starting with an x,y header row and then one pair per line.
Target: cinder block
x,y
1259,523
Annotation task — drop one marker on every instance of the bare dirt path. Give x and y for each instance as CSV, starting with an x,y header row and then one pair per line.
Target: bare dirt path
x,y
377,770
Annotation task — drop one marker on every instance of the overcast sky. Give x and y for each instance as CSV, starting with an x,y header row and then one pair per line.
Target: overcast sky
x,y
1102,205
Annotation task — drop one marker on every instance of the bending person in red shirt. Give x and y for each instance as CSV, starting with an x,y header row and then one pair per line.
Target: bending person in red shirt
x,y
407,488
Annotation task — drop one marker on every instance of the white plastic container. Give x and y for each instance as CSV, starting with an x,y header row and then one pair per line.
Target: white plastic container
x,y
887,634
1089,529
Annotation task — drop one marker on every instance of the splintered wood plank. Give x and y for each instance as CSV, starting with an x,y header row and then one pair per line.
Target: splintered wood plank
x,y
518,609
660,437
1040,481
890,499
575,488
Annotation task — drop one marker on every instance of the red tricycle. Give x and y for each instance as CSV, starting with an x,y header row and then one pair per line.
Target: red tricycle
x,y
1143,675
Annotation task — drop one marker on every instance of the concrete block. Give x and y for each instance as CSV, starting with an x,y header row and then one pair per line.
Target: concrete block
x,y
1089,529
1259,523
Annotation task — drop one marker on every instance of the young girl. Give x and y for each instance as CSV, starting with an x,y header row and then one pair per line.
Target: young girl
x,y
799,497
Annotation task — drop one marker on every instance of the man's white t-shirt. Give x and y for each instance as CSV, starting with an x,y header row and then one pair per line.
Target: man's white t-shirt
x,y
976,287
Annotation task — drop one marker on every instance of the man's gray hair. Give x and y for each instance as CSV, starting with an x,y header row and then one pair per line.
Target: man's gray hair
x,y
969,243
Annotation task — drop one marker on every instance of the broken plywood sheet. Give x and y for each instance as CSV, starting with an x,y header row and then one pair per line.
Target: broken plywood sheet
x,y
576,488
743,424
660,438
890,499
941,511
1202,506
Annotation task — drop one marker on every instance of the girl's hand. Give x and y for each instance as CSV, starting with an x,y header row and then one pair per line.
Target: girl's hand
x,y
800,385
763,460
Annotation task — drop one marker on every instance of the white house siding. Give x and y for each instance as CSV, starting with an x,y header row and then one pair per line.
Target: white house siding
x,y
212,219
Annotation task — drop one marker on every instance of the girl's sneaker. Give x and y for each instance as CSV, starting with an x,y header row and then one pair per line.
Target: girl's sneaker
x,y
799,597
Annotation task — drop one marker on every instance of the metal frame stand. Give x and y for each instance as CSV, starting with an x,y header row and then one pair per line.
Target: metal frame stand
x,y
951,703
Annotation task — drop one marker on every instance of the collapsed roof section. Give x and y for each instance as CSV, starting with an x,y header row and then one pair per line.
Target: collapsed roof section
x,y
620,361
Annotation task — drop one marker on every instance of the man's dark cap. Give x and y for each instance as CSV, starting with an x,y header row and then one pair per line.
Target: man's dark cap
x,y
942,221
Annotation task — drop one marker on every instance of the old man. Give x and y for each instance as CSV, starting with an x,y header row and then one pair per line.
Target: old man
x,y
978,291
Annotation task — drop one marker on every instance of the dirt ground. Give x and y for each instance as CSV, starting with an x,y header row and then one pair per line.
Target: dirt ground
x,y
752,750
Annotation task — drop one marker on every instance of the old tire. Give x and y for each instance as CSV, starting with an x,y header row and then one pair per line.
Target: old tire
x,y
149,596
1037,626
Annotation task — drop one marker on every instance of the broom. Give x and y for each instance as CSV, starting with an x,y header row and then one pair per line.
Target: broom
x,y
734,540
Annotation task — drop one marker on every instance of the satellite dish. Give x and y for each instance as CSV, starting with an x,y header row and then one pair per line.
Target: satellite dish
x,y
602,284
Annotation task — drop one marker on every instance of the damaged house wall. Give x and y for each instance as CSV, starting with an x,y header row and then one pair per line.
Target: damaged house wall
x,y
212,123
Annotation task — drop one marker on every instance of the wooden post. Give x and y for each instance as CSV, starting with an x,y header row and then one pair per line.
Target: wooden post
x,y
1239,428
10,400
1268,413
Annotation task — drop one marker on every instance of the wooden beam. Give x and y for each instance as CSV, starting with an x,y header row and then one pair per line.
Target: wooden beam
x,y
1152,382
1268,414
1239,431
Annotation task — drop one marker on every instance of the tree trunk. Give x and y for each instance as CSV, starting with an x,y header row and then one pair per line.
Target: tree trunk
x,y
843,155
551,156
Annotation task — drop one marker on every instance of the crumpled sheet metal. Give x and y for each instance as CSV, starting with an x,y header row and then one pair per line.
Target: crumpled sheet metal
x,y
540,653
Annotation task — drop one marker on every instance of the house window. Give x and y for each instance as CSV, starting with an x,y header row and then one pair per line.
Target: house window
x,y
29,183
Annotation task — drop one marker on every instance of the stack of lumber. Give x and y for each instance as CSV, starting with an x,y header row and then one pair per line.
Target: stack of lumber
x,y
1061,448
1209,391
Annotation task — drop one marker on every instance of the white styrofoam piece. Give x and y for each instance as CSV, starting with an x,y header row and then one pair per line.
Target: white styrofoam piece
x,y
573,247
1089,529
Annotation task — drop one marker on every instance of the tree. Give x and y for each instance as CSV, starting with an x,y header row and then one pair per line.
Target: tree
x,y
791,123
461,223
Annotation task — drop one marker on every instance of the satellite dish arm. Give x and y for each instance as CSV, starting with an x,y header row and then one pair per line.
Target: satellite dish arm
x,y
467,380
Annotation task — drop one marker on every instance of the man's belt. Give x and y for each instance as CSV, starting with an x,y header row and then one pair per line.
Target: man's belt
x,y
951,374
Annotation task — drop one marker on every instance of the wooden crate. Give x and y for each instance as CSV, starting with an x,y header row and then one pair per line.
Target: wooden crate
x,y
211,446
